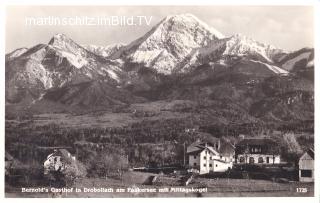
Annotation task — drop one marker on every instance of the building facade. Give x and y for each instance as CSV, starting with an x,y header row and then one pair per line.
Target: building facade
x,y
204,156
257,151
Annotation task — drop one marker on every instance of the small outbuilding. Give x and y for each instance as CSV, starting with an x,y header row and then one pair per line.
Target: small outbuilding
x,y
306,167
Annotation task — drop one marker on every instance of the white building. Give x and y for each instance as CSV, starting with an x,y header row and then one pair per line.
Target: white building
x,y
257,151
204,156
306,167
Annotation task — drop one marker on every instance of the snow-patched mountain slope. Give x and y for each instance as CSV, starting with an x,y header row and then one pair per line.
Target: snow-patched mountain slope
x,y
16,53
104,51
302,57
241,45
69,49
273,68
225,51
179,42
167,44
58,63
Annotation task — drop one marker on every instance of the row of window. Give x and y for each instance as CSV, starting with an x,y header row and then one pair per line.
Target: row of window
x,y
251,160
205,158
205,165
255,149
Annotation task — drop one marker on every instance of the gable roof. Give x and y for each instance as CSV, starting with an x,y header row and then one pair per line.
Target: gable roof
x,y
256,141
212,150
198,147
224,147
8,157
309,153
195,147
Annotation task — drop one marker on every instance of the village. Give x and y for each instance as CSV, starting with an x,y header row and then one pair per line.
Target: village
x,y
214,161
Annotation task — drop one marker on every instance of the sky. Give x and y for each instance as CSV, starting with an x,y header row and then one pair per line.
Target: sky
x,y
286,27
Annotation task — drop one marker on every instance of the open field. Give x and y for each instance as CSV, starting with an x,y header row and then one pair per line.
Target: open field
x,y
135,113
215,188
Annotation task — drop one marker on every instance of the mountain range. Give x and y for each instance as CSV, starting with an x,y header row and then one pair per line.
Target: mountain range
x,y
180,58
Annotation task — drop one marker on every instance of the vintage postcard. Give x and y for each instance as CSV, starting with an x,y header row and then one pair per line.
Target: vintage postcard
x,y
159,101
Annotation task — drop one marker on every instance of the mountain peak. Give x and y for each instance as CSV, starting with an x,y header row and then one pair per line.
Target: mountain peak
x,y
192,20
166,46
184,16
58,38
63,42
240,44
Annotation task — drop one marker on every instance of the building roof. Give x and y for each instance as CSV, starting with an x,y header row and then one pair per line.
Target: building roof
x,y
268,146
310,152
61,152
225,147
256,141
195,147
199,146
64,152
8,157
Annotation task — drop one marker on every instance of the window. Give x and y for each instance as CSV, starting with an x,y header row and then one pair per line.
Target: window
x,y
216,165
306,173
204,165
210,157
241,159
204,157
210,165
194,164
55,159
251,160
260,160
220,157
194,157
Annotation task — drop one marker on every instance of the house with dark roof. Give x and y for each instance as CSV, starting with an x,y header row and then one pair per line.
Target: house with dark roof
x,y
306,167
262,150
214,156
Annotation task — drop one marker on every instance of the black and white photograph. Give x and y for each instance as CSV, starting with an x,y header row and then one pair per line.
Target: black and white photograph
x,y
159,101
